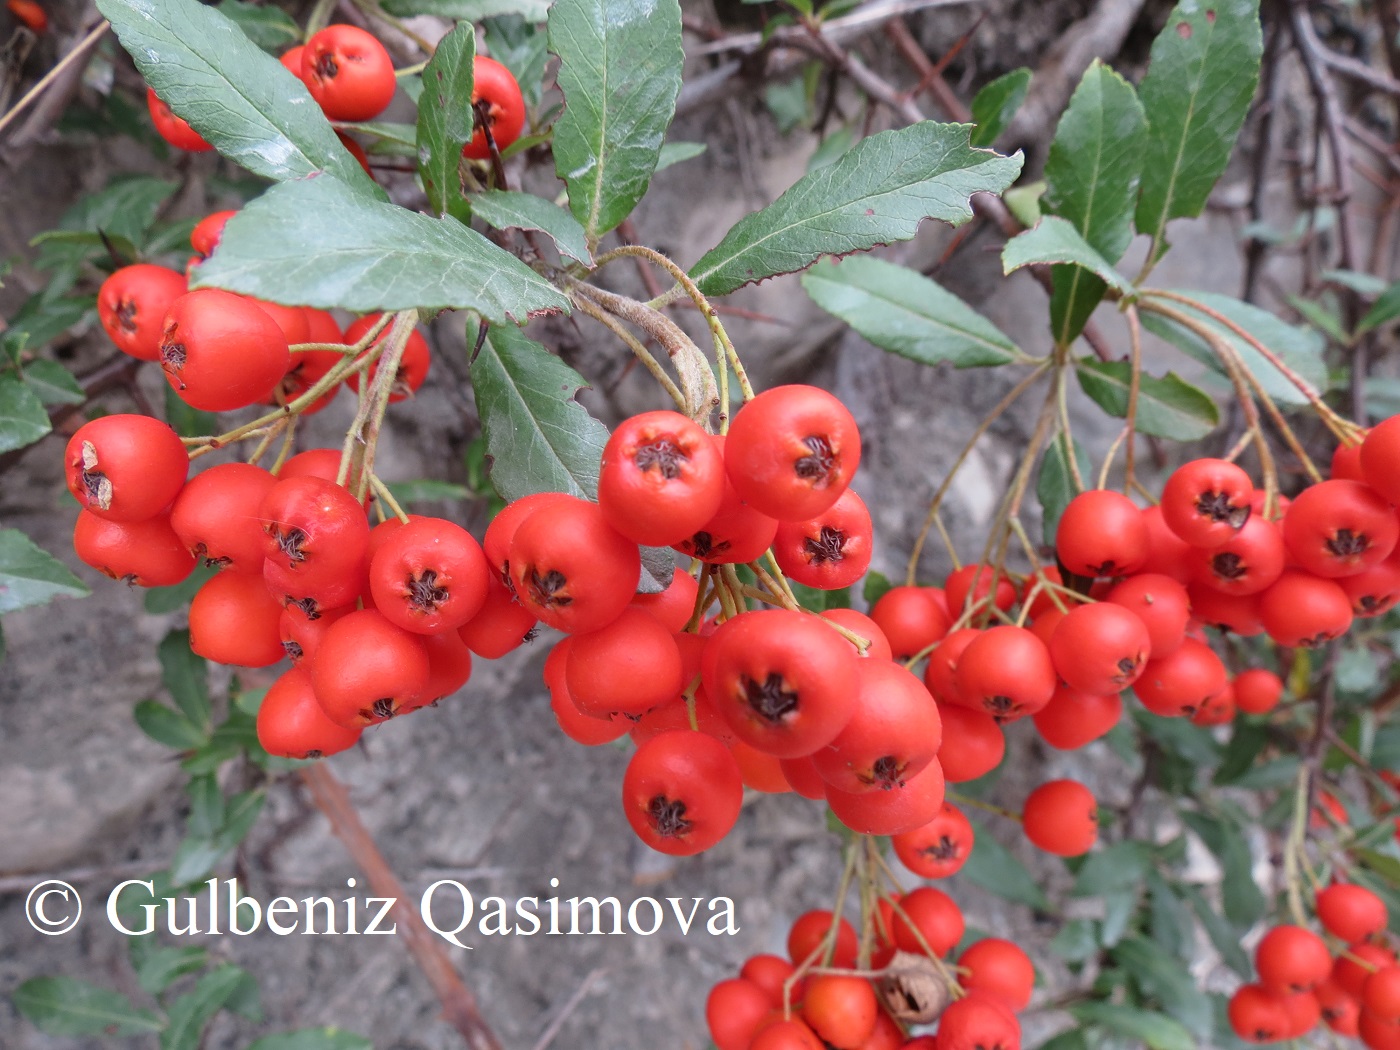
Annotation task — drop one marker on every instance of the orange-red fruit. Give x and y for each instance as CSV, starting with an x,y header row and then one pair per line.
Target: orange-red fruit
x,y
913,618
1101,533
413,366
132,304
500,626
146,553
1291,959
681,792
973,743
829,551
809,931
216,516
733,1010
1100,648
579,727
175,130
1301,609
1353,966
936,917
1073,718
348,72
999,968
1380,458
791,451
939,848
1182,683
1007,672
570,568
1206,501
787,1035
1061,817
978,1022
125,467
291,723
1256,1014
661,479
221,351
1381,994
1338,528
367,670
900,808
1257,691
892,735
842,1010
1350,912
429,576
630,666
233,620
1161,603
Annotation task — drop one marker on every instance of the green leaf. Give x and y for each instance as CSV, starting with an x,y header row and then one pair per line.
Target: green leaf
x,y
875,586
992,867
266,25
470,10
1243,901
1248,740
1023,202
620,71
446,120
1202,76
904,312
313,1039
52,383
1276,773
206,805
1075,941
1385,309
538,437
125,208
676,152
29,575
422,490
1167,407
1225,937
522,46
44,317
1323,317
315,242
189,1013
197,856
1157,1031
159,967
1118,867
1119,907
995,105
1073,1039
64,1006
23,419
244,102
877,193
507,209
787,102
832,148
1387,867
1091,178
167,726
186,677
187,421
404,137
1172,928
1168,981
1055,240
1300,349
1055,486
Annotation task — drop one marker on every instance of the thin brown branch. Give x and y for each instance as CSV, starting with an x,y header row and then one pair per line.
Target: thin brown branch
x,y
459,1006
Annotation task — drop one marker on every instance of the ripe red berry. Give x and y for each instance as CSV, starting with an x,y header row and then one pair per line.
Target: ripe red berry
x,y
1206,501
629,666
1061,817
978,1022
571,569
841,1010
291,723
1182,683
1246,563
173,129
1257,691
494,89
1351,912
1161,603
810,933
912,619
316,540
1256,1014
146,553
413,367
1007,672
1100,648
132,304
999,968
1291,959
829,551
216,516
1301,609
902,807
662,478
1072,718
367,670
1338,528
348,73
733,1010
939,848
221,351
1380,458
125,467
973,743
501,624
429,576
792,451
1101,533
892,735
681,792
233,620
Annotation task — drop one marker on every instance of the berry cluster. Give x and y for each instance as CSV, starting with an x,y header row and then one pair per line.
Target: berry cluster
x,y
1353,988
351,76
820,999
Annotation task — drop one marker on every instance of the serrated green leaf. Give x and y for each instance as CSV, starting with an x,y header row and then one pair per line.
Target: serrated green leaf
x,y
508,209
189,1013
620,72
1091,178
1056,486
1155,1030
30,575
877,193
43,318
538,437
266,25
470,10
1117,867
1276,773
676,152
52,383
1166,407
996,104
906,313
185,675
313,1039
1243,901
167,727
316,243
1223,936
23,419
1300,349
446,120
1055,240
64,1006
1203,72
992,867
159,967
244,102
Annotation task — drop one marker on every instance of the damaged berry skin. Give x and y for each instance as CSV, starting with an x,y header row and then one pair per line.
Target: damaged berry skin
x,y
132,304
221,351
682,792
792,451
829,551
572,570
784,681
1206,502
367,670
125,467
315,543
429,576
662,479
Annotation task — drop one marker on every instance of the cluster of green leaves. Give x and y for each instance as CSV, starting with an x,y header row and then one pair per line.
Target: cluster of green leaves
x,y
189,985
